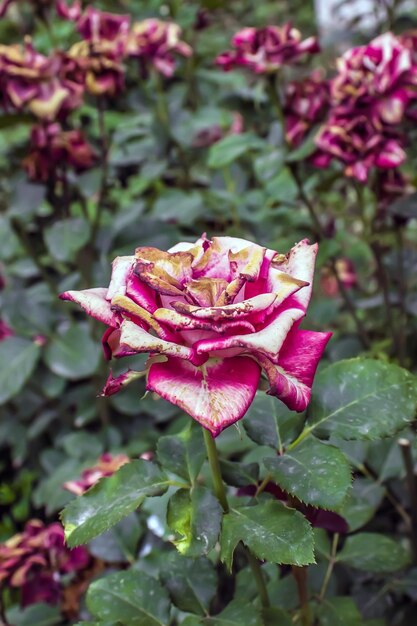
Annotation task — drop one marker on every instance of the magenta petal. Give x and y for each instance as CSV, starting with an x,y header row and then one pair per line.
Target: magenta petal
x,y
268,340
94,303
115,384
291,379
301,353
215,394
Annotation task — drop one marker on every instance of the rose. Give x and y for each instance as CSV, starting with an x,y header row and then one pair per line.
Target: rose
x,y
264,50
377,79
105,466
51,145
212,315
36,559
358,144
29,80
155,42
306,104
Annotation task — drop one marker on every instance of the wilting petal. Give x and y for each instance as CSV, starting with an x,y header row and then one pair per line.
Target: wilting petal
x,y
291,379
94,303
215,394
134,339
299,264
255,305
122,267
268,340
206,291
114,385
391,155
126,305
179,321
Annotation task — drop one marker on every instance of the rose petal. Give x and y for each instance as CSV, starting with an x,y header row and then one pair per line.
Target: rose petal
x,y
94,303
122,267
134,339
255,305
299,264
186,322
291,379
215,394
114,385
268,340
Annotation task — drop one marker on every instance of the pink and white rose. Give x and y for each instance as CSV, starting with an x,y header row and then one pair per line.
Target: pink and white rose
x,y
264,50
377,79
213,315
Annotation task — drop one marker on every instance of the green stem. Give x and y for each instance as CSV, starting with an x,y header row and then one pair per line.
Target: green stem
x,y
402,295
300,576
213,459
220,493
259,579
405,447
330,567
230,186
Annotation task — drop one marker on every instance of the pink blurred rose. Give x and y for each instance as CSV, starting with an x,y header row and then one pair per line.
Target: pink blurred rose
x,y
378,79
106,465
213,315
30,81
51,146
4,5
306,103
359,146
96,62
5,330
264,50
36,559
346,273
156,43
70,11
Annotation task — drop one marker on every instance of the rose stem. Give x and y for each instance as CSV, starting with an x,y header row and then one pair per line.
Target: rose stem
x,y
405,448
402,294
220,493
104,146
317,227
332,561
300,576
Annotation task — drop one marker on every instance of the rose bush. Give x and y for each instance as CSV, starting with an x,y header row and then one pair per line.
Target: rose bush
x,y
218,311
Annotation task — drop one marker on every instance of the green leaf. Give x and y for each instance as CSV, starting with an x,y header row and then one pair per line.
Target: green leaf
x,y
111,499
274,617
239,474
18,358
314,472
191,583
269,422
372,552
120,543
271,531
231,148
236,614
183,454
363,501
339,611
35,615
196,516
64,238
132,598
73,354
362,399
